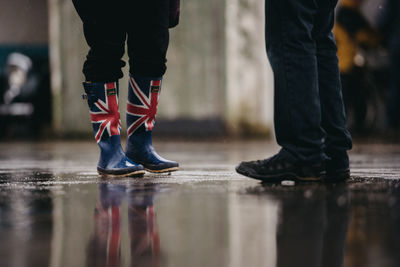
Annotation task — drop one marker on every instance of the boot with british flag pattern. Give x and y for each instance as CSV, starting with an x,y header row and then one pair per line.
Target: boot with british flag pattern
x,y
141,113
102,99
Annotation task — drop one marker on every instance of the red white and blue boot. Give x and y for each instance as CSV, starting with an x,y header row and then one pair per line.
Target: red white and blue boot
x,y
140,116
103,104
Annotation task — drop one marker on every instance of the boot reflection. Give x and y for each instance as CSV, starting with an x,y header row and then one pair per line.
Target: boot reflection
x,y
104,248
143,230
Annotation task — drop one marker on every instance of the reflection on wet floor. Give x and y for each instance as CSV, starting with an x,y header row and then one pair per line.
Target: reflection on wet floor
x,y
105,244
55,211
313,224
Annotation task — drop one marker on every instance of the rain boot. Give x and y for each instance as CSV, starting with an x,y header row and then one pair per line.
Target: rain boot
x,y
103,105
140,116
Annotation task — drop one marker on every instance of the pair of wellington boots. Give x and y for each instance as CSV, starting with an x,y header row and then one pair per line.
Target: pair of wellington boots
x,y
141,112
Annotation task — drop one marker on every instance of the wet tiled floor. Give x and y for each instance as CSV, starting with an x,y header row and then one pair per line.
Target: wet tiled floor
x,y
56,211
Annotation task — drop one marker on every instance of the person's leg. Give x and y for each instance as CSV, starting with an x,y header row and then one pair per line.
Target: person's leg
x,y
338,139
393,99
148,38
105,35
292,53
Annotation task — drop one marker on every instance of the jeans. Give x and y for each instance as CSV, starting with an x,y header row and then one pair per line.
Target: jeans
x,y
107,25
310,121
393,98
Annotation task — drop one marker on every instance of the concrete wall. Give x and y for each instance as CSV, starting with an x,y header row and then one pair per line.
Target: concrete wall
x,y
249,79
23,21
217,68
67,52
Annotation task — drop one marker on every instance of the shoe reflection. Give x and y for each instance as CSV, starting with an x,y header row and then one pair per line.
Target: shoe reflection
x,y
104,248
313,224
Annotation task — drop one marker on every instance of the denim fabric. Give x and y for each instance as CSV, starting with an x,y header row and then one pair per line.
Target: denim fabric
x,y
108,25
393,98
388,22
310,123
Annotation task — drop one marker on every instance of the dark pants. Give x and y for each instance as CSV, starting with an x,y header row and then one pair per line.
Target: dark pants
x,y
310,121
393,100
107,24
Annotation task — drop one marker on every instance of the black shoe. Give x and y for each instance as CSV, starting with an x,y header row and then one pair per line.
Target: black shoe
x,y
337,171
337,167
279,168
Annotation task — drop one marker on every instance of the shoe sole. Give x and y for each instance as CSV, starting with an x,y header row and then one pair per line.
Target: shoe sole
x,y
281,177
136,174
338,176
163,170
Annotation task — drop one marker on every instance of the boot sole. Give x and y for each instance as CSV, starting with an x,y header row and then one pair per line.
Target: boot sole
x,y
281,177
163,170
136,174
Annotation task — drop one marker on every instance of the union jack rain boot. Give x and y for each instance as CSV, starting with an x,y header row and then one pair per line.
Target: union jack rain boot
x,y
103,105
140,116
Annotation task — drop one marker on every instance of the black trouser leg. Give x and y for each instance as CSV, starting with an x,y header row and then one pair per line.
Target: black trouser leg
x,y
338,139
105,34
393,100
292,53
148,37
106,25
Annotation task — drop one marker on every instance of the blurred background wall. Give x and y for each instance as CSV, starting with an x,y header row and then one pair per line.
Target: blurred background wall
x,y
23,22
